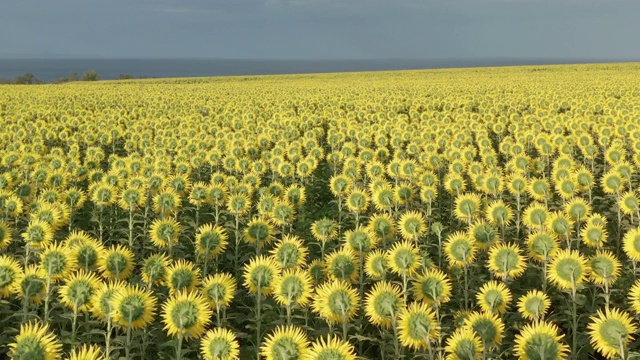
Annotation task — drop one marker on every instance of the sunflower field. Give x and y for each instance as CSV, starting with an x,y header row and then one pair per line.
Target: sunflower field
x,y
443,214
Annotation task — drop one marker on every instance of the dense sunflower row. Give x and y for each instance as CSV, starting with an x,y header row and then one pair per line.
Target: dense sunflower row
x,y
449,214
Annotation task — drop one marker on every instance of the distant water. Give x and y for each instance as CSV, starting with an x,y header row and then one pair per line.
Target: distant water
x,y
49,70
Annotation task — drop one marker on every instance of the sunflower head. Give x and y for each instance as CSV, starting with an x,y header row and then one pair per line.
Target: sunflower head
x,y
182,276
631,244
381,226
534,305
101,302
498,213
131,307
342,264
293,287
219,290
357,200
404,258
38,234
489,328
467,207
460,249
506,261
165,232
258,231
290,252
604,267
376,264
116,263
285,342
540,340
5,235
57,260
211,240
219,344
464,344
484,234
154,269
87,352
412,225
611,331
260,273
542,245
35,341
331,347
336,301
166,202
186,314
383,303
324,229
417,325
78,289
360,239
568,269
30,284
10,273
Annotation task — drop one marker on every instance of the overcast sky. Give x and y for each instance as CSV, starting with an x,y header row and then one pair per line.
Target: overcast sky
x,y
321,29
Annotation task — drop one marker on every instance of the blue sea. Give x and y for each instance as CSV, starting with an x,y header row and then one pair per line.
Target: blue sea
x,y
49,70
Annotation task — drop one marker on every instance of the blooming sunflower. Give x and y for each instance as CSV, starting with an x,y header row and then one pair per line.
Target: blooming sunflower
x,y
166,202
604,267
381,225
154,269
357,201
535,216
634,296
383,197
293,286
383,303
360,239
342,264
330,348
324,229
30,284
10,271
610,332
78,289
484,234
376,264
506,261
87,352
131,306
219,344
258,231
467,207
57,261
433,287
498,213
559,224
578,209
404,258
540,340
412,225
260,273
631,244
464,344
182,276
5,235
165,232
38,234
417,325
186,314
460,249
336,301
285,342
568,269
116,263
35,341
290,252
489,327
534,305
219,290
211,240
494,297
594,235
132,198
101,302
542,245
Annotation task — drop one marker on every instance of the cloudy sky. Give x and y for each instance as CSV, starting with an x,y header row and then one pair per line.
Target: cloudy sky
x,y
321,29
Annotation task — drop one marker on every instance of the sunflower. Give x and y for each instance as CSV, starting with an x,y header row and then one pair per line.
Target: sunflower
x,y
57,261
433,287
78,289
13,206
258,231
498,213
290,252
132,307
336,301
238,204
484,234
165,232
103,194
283,214
517,184
219,290
5,235
216,194
578,209
182,276
412,225
376,264
198,194
494,297
154,269
539,189
464,344
295,195
383,197
535,216
30,284
417,326
487,326
260,273
211,240
186,314
383,303
324,229
404,258
38,234
542,245
342,264
381,226
87,253
559,224
87,352
331,348
610,332
219,344
612,182
285,342
634,296
35,341
568,269
10,273
467,207
166,202
132,198
357,201
454,184
594,235
360,239
116,263
631,244
534,305
293,286
101,302
540,340
506,261
460,249
604,267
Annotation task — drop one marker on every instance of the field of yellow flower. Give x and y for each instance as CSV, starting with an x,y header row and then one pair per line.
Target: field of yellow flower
x,y
444,214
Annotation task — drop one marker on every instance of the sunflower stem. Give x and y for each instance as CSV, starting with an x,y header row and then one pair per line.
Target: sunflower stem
x,y
74,325
179,345
107,339
258,319
47,296
574,318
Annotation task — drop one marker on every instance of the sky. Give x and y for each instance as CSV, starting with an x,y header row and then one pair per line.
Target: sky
x,y
321,29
